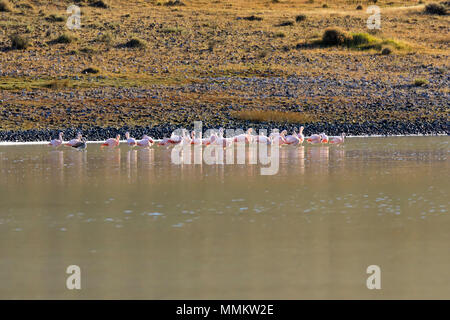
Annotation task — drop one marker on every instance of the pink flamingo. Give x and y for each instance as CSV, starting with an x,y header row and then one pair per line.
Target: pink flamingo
x,y
175,139
210,139
195,140
145,142
112,142
324,138
221,141
57,142
130,141
300,134
337,140
245,137
292,139
73,142
278,137
263,139
315,138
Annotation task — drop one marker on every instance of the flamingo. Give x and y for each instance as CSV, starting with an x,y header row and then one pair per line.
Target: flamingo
x,y
195,140
112,142
263,139
300,134
145,142
324,138
164,142
315,138
175,139
130,141
337,140
210,139
292,139
74,141
57,142
221,141
80,145
279,137
245,137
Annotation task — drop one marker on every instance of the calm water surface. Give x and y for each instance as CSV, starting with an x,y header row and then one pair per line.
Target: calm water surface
x,y
142,227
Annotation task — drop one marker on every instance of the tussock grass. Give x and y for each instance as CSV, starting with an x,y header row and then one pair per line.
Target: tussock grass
x,y
135,43
5,6
90,70
420,82
19,42
358,41
436,8
271,116
65,38
300,18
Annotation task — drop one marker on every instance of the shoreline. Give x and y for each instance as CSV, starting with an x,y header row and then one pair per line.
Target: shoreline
x,y
367,129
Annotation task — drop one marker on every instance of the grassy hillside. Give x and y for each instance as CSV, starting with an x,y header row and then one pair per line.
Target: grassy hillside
x,y
155,62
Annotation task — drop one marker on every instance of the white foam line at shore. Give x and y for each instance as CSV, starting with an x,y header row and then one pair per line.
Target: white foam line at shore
x,y
13,143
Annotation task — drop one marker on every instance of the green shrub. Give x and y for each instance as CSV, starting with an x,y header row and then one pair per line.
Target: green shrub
x,y
65,38
285,24
19,42
420,82
360,39
279,35
172,3
334,37
105,38
90,70
300,18
5,6
135,43
435,8
386,51
325,5
359,7
252,18
99,4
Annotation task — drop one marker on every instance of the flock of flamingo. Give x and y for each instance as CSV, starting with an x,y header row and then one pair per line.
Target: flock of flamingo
x,y
296,138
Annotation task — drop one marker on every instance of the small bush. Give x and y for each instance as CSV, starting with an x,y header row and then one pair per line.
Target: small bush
x,y
90,70
99,4
359,7
325,5
285,24
386,51
334,37
358,39
279,35
19,42
135,43
5,6
252,18
65,38
54,18
420,82
300,18
105,38
172,3
435,8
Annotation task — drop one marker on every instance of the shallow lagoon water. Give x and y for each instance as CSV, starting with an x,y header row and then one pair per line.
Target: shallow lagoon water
x,y
141,227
